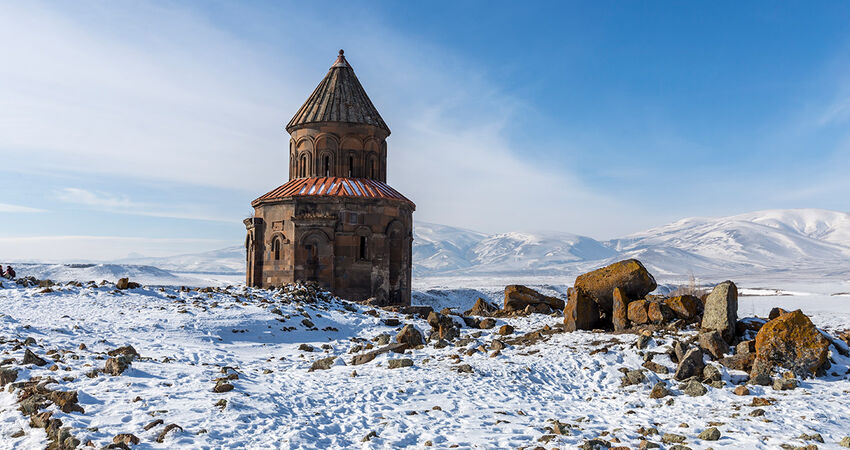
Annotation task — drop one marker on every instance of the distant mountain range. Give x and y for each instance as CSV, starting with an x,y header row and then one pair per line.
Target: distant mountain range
x,y
758,242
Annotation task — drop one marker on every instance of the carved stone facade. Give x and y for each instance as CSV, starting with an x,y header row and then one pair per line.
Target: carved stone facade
x,y
336,221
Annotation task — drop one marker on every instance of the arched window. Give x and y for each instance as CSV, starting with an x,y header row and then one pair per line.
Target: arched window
x,y
363,242
303,171
327,166
276,249
351,167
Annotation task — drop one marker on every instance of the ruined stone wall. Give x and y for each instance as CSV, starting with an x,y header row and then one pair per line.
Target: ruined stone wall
x,y
357,248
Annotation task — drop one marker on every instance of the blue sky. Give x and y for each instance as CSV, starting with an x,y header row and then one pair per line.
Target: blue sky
x,y
131,127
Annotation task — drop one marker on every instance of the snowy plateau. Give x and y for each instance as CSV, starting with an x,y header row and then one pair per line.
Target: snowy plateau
x,y
559,390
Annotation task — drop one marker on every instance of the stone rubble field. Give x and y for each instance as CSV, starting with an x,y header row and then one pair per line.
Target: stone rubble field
x,y
110,365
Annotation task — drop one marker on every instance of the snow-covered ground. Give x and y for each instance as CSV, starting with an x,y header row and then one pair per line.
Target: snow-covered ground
x,y
186,338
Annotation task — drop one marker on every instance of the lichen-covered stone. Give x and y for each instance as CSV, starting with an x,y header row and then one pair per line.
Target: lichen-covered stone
x,y
518,297
659,313
620,313
638,312
721,310
581,312
685,307
410,336
629,275
791,341
712,342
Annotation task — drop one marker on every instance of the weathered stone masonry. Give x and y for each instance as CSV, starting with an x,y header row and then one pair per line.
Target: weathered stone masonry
x,y
336,221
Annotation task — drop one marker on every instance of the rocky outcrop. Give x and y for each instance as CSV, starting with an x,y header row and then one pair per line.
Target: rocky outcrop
x,y
685,307
638,312
629,275
518,297
659,313
721,310
620,310
791,341
581,312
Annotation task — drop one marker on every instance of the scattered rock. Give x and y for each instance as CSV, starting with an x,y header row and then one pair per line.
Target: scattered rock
x,y
125,438
710,434
784,384
117,365
671,438
463,368
811,437
845,442
791,341
222,386
487,323
721,310
153,424
306,348
690,365
399,363
32,358
643,340
506,329
307,323
518,297
369,436
632,377
581,311
164,432
8,376
629,275
659,390
410,336
713,343
711,373
595,444
742,390
322,364
655,367
126,350
443,326
739,361
694,389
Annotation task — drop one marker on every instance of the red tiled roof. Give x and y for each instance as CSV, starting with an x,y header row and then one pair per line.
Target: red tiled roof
x,y
334,187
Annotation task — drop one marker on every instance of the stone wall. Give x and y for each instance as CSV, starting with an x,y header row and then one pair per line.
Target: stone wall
x,y
358,248
338,150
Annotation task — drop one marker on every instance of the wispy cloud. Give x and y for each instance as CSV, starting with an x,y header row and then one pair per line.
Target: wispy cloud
x,y
7,208
119,204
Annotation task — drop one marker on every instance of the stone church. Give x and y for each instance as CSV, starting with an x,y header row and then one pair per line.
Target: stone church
x,y
336,221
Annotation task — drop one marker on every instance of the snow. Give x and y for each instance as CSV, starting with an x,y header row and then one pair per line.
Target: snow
x,y
185,339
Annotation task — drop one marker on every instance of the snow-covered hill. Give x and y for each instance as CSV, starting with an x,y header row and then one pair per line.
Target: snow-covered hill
x,y
228,260
811,241
758,242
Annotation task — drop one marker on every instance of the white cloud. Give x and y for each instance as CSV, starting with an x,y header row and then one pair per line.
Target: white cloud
x,y
7,208
102,201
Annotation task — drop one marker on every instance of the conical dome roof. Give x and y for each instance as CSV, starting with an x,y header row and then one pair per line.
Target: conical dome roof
x,y
338,98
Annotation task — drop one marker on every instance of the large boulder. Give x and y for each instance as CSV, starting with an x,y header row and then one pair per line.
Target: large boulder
x,y
791,341
685,307
629,275
721,310
481,308
518,297
581,312
620,315
713,343
638,312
